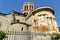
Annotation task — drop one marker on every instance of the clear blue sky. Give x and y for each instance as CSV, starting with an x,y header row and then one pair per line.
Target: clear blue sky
x,y
8,5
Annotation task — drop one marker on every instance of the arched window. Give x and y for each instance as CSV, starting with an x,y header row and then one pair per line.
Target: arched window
x,y
32,7
22,29
27,7
36,21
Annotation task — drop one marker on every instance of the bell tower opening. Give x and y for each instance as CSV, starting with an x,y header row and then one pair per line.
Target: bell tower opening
x,y
27,8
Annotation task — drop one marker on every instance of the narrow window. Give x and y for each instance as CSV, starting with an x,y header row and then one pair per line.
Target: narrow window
x,y
27,7
35,21
32,7
22,29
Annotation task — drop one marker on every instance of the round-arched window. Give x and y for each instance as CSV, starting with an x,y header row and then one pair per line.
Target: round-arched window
x,y
22,29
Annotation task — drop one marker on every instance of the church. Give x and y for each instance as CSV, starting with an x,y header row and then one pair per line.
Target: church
x,y
29,24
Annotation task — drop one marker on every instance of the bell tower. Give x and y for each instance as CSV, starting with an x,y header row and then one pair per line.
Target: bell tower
x,y
27,8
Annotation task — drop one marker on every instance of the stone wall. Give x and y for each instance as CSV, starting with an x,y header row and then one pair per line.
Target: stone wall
x,y
44,21
17,35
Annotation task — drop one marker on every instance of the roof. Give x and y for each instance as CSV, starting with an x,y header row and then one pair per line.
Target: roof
x,y
13,11
21,23
28,3
3,14
44,8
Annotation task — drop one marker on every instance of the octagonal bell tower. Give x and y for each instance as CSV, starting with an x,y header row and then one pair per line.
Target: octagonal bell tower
x,y
27,8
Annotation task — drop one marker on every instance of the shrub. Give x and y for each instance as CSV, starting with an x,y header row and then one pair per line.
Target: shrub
x,y
2,35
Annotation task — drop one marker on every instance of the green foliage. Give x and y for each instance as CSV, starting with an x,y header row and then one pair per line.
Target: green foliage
x,y
2,35
55,36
